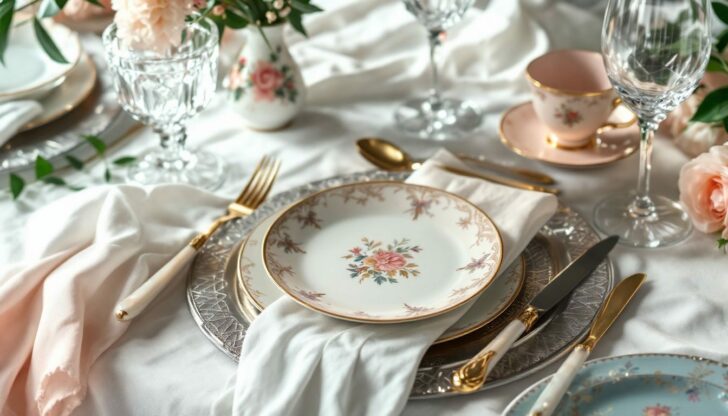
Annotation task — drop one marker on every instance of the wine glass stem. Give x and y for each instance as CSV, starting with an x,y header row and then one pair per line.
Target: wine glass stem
x,y
642,206
435,43
172,139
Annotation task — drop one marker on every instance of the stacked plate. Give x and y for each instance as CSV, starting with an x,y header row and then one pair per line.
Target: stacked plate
x,y
370,248
30,74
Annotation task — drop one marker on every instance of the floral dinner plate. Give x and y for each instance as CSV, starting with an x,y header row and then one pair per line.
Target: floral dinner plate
x,y
640,385
382,252
260,291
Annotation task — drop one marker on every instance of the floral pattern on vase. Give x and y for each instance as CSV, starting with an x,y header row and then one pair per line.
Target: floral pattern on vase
x,y
268,80
265,84
374,261
657,410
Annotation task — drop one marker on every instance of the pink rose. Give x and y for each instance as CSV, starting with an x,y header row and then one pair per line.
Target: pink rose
x,y
266,80
82,9
657,411
703,188
387,261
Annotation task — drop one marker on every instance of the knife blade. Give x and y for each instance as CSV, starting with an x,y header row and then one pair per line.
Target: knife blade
x,y
617,300
471,376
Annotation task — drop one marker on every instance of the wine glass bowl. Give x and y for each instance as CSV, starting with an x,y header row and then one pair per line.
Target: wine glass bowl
x,y
164,91
435,117
655,53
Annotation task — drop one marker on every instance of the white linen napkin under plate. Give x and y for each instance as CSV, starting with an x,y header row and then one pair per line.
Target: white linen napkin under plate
x,y
14,115
298,362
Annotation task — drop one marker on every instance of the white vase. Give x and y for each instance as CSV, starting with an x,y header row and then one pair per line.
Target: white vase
x,y
265,85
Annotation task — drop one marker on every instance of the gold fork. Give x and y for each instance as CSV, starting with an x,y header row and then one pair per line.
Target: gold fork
x,y
254,193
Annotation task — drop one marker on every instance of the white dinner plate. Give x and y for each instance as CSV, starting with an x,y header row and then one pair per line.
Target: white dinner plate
x,y
76,87
29,73
382,252
261,292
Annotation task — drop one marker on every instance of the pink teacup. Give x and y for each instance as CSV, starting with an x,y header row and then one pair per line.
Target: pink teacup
x,y
572,96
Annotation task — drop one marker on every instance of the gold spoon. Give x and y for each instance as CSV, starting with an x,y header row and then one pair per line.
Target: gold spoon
x,y
389,152
389,156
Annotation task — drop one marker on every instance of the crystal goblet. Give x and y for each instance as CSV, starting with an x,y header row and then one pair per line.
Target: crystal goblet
x,y
164,90
435,117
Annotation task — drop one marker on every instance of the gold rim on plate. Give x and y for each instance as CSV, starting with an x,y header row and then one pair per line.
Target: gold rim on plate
x,y
496,314
506,142
438,312
80,94
239,275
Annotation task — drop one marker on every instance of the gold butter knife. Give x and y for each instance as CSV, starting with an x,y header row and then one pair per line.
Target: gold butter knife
x,y
613,307
497,179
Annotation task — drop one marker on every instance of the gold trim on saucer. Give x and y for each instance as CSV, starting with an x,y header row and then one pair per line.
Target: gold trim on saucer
x,y
83,92
560,91
276,279
507,143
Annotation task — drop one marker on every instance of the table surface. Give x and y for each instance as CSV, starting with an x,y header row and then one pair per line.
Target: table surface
x,y
164,365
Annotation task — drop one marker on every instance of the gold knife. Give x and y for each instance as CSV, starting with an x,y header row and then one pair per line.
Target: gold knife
x,y
499,180
559,384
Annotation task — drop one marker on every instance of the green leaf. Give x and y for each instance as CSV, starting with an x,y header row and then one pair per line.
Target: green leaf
x,y
234,20
295,19
97,143
98,4
716,64
722,41
125,160
46,42
16,185
54,180
721,10
61,3
107,174
75,162
722,244
43,167
725,124
7,9
714,107
305,7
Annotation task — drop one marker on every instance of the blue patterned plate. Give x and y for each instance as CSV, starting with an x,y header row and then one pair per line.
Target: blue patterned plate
x,y
639,385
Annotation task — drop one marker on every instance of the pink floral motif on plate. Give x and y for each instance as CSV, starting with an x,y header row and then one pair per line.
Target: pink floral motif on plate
x,y
374,261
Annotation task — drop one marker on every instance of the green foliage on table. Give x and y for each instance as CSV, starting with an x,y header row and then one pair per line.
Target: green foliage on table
x,y
44,168
723,244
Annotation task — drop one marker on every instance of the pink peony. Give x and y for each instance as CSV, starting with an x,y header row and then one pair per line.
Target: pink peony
x,y
266,80
703,187
386,261
154,25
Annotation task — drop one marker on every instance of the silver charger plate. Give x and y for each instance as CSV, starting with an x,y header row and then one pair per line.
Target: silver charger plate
x,y
211,294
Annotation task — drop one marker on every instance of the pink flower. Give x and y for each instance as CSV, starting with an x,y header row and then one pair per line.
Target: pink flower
x,y
703,188
386,261
657,410
266,80
356,251
154,25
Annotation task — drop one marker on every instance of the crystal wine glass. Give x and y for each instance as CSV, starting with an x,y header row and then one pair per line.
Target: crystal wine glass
x,y
164,90
655,53
435,117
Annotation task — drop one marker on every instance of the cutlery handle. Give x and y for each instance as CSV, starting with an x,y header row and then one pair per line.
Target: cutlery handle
x,y
524,173
471,376
559,384
134,304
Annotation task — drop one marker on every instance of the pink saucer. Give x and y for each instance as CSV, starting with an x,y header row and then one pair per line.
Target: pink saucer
x,y
522,132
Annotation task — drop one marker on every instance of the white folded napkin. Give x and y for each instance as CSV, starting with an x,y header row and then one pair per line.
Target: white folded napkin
x,y
83,254
297,362
14,115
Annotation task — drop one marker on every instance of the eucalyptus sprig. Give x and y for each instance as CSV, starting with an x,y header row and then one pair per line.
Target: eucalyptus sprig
x,y
723,245
44,169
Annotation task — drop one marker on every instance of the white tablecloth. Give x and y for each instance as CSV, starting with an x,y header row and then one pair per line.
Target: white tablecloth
x,y
163,365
